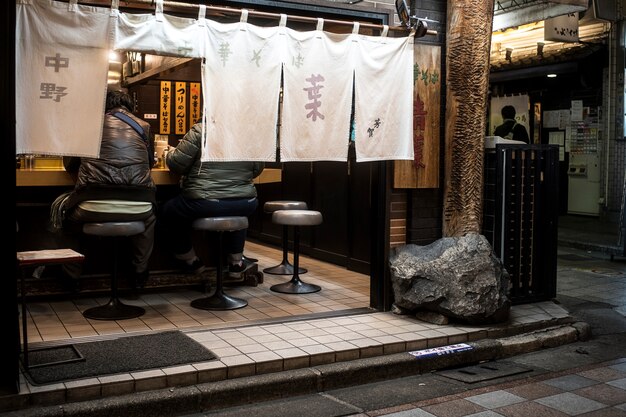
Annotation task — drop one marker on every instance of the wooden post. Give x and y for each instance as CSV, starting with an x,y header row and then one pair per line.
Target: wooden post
x,y
467,80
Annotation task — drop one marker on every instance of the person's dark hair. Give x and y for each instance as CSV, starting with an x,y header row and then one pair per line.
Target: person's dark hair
x,y
118,98
508,112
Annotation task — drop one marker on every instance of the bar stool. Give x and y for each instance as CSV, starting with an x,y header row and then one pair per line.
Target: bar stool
x,y
115,309
219,300
284,268
296,218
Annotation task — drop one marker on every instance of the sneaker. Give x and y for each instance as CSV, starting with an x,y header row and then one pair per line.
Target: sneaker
x,y
196,267
235,271
247,258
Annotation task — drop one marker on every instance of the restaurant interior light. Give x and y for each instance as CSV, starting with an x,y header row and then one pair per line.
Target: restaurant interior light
x,y
509,53
114,57
540,46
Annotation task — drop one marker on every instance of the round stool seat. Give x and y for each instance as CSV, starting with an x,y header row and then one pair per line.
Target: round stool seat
x,y
114,228
219,300
297,217
221,224
284,268
272,206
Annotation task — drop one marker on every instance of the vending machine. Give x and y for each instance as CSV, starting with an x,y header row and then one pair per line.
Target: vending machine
x,y
584,165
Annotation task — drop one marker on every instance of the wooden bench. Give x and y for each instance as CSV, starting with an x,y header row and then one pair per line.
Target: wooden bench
x,y
35,259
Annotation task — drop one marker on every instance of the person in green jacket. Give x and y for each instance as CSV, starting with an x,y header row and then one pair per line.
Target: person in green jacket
x,y
208,189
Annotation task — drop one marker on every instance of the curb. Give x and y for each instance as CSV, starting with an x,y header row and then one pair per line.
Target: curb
x,y
259,388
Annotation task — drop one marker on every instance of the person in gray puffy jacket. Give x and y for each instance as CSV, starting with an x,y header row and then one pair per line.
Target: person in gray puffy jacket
x,y
208,189
117,186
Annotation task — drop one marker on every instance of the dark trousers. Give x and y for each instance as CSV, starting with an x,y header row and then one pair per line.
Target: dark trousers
x,y
177,214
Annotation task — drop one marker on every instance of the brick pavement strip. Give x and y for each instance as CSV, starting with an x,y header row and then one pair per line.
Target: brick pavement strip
x,y
597,390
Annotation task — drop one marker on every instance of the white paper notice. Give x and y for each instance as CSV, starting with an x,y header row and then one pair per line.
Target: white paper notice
x,y
558,138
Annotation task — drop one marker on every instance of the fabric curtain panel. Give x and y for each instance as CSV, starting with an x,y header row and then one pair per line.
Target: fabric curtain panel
x,y
62,52
384,98
62,63
317,97
160,34
241,87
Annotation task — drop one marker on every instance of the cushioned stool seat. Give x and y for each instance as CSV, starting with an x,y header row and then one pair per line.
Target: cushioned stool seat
x,y
114,309
285,267
296,218
218,300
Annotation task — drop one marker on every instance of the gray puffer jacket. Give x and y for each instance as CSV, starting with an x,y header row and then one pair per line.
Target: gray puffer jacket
x,y
123,170
208,180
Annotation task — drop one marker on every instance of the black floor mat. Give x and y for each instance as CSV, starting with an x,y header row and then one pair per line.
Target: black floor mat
x,y
120,355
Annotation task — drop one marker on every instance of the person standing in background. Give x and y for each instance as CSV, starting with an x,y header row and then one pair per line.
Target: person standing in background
x,y
117,186
510,129
208,189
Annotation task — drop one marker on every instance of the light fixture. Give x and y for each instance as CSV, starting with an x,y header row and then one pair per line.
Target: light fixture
x,y
551,75
411,22
509,53
540,49
114,57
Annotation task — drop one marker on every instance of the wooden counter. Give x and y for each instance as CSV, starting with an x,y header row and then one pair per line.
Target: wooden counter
x,y
161,176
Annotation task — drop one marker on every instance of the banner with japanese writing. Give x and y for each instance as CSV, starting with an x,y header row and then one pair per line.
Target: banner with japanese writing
x,y
383,114
61,77
241,87
194,103
180,108
165,107
317,97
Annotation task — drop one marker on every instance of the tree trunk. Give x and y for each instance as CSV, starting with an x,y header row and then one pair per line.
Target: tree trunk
x,y
467,79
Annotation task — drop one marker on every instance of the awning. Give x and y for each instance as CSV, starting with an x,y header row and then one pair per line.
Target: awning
x,y
512,13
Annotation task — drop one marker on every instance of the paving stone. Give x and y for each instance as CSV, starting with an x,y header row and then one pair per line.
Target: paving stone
x,y
495,399
570,403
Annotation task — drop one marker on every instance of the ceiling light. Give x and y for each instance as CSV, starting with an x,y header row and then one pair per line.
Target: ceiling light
x,y
509,53
540,48
551,75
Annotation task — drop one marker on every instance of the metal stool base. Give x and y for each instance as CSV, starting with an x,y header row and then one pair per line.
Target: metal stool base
x,y
114,310
295,287
219,301
284,268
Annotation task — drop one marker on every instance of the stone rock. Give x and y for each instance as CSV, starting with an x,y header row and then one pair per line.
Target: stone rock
x,y
458,277
432,317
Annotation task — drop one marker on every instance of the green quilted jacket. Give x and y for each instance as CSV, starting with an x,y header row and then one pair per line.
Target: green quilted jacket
x,y
208,180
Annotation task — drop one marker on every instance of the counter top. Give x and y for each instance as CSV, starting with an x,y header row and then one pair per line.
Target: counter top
x,y
161,176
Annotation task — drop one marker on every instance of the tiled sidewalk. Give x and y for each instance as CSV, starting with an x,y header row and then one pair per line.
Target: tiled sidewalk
x,y
592,391
260,349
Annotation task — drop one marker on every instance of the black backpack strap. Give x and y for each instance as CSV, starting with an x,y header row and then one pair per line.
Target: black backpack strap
x,y
129,121
132,124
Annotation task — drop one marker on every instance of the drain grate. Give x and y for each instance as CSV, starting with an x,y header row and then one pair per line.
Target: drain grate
x,y
483,372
